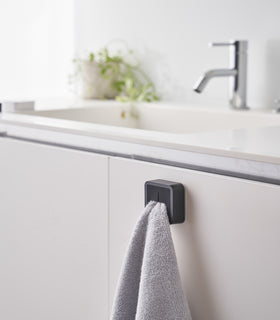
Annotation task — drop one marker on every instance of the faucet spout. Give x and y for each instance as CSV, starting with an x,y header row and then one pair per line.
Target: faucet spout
x,y
205,78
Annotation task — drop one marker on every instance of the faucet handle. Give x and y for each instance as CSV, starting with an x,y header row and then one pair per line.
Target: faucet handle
x,y
240,46
222,44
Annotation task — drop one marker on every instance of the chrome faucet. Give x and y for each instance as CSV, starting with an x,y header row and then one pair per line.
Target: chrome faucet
x,y
237,73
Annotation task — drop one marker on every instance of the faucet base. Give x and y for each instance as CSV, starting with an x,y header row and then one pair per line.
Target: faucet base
x,y
245,108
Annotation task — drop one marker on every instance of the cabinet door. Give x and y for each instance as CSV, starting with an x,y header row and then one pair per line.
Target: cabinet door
x,y
228,249
53,233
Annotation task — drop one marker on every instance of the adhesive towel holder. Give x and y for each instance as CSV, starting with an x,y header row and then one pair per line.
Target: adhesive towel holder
x,y
172,194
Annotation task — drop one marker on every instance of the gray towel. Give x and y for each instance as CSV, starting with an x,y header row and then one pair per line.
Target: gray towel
x,y
149,287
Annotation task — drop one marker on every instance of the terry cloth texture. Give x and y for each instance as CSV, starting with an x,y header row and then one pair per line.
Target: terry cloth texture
x,y
149,286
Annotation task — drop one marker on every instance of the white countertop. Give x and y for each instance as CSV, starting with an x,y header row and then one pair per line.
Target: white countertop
x,y
254,151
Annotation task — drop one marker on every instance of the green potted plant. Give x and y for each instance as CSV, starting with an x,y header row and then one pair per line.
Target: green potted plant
x,y
103,75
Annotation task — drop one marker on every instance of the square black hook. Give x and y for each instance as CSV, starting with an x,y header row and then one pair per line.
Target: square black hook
x,y
172,194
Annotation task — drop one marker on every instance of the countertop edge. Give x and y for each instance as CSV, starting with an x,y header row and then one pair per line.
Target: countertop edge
x,y
193,158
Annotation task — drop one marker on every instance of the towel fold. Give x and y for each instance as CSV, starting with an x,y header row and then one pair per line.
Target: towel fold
x,y
149,287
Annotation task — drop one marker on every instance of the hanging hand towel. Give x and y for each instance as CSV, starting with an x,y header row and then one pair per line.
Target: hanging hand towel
x,y
150,287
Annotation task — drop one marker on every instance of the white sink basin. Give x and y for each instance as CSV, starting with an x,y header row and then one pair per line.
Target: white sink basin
x,y
164,118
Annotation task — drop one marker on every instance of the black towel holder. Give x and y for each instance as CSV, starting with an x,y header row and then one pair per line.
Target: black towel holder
x,y
172,194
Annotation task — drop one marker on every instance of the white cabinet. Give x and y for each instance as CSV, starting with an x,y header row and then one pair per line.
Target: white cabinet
x,y
228,250
61,210
53,233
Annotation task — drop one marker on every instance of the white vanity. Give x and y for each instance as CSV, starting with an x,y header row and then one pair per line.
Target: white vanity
x,y
77,174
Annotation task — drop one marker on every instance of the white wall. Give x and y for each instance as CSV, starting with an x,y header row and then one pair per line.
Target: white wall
x,y
172,37
36,48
